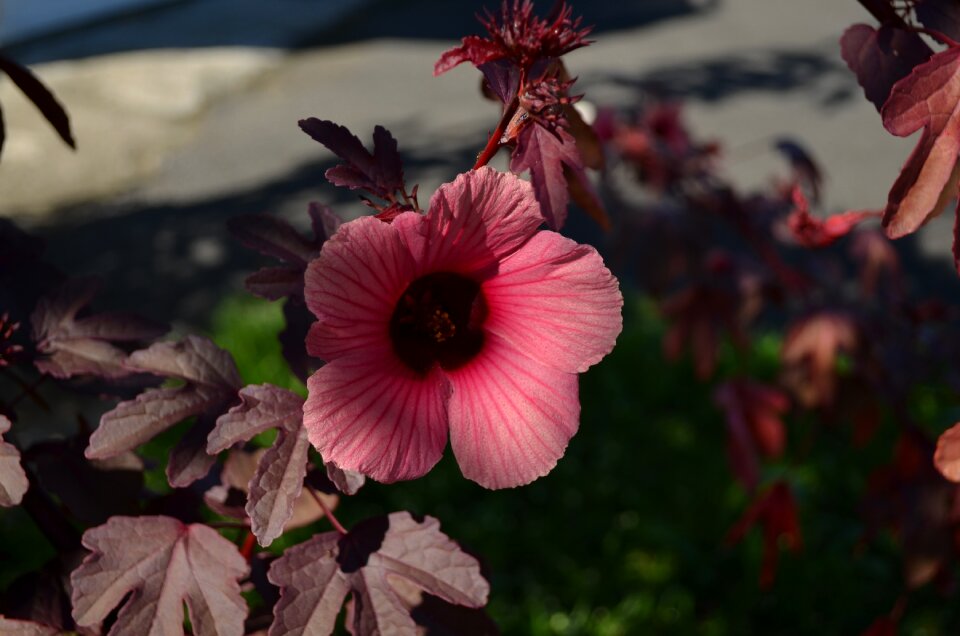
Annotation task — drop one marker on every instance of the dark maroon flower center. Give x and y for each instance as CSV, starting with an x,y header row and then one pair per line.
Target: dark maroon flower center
x,y
438,319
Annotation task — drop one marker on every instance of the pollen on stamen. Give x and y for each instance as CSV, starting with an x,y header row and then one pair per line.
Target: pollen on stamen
x,y
442,328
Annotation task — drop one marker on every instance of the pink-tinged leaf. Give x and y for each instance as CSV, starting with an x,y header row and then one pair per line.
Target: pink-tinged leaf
x,y
277,484
474,49
160,563
211,383
927,98
73,346
545,154
263,407
42,98
812,232
754,415
12,627
940,15
242,471
947,456
809,355
775,511
194,359
347,481
188,459
376,562
881,57
13,481
380,172
136,421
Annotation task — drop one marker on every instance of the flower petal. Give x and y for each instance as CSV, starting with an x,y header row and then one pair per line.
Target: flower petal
x,y
353,287
510,416
480,218
370,413
555,301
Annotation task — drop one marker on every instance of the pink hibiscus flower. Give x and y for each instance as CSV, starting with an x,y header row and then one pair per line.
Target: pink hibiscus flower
x,y
468,320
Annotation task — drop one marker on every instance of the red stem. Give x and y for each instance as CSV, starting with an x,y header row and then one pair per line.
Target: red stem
x,y
327,512
248,543
493,144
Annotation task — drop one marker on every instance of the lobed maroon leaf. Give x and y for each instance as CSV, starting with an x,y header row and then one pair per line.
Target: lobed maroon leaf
x,y
545,154
927,98
136,421
277,483
194,359
376,562
152,565
188,460
881,57
75,346
503,78
380,173
13,481
13,627
41,97
262,407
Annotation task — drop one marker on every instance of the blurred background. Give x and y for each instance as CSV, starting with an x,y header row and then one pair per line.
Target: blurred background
x,y
185,113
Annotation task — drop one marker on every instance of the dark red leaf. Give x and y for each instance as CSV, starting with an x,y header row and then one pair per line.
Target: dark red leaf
x,y
274,283
812,232
274,237
297,322
927,98
262,407
503,78
379,562
41,97
157,564
776,512
754,415
881,57
73,346
380,173
519,36
545,154
13,481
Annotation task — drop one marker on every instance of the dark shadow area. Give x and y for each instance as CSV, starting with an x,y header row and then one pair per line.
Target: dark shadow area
x,y
294,24
718,78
